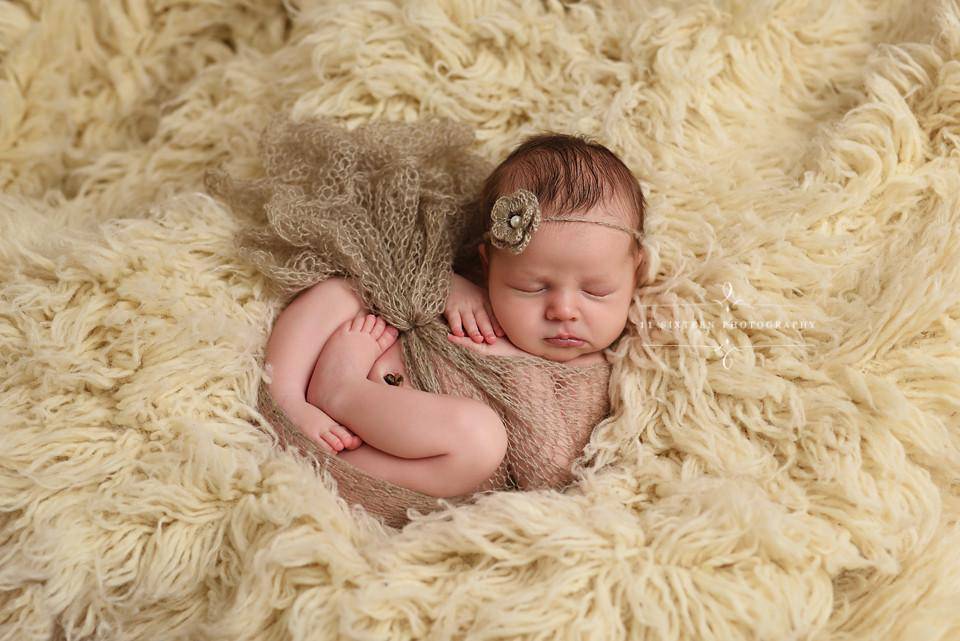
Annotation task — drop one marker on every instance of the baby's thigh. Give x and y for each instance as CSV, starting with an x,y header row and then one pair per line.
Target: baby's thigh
x,y
301,331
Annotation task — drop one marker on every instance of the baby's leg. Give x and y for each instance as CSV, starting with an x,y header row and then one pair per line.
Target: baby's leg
x,y
295,343
434,443
442,476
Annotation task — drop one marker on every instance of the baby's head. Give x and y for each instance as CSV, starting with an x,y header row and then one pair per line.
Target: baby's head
x,y
573,278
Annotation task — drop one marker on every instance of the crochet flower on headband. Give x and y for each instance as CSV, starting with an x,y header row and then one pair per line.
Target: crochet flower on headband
x,y
515,217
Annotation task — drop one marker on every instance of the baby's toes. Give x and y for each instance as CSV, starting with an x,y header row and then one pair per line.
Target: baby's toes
x,y
350,440
388,337
322,435
362,322
378,326
369,322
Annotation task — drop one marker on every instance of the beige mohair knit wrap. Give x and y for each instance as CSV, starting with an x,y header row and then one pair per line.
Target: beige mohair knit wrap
x,y
385,206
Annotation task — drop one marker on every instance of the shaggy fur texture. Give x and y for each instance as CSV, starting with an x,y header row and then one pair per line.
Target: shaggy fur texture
x,y
802,161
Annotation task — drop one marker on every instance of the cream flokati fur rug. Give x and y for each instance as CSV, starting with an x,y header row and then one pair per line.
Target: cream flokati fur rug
x,y
802,162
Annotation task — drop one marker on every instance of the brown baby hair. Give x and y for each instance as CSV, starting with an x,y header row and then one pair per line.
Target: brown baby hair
x,y
567,173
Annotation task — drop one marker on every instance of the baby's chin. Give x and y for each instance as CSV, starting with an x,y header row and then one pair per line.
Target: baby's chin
x,y
561,354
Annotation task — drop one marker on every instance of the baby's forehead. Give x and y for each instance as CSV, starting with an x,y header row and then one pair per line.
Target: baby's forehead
x,y
583,240
585,262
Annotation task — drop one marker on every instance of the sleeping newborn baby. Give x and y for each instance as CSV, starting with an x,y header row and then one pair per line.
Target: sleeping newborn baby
x,y
558,291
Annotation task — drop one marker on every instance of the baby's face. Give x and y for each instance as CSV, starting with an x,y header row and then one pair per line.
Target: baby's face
x,y
573,278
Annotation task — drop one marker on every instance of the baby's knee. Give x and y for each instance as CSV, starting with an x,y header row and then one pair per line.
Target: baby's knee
x,y
340,292
484,440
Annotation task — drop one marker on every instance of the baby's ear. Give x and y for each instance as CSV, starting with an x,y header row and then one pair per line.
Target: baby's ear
x,y
640,261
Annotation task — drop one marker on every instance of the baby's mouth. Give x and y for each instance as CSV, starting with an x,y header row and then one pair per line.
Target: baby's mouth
x,y
564,342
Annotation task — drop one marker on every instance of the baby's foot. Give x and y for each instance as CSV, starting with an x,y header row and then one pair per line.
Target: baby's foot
x,y
349,354
327,433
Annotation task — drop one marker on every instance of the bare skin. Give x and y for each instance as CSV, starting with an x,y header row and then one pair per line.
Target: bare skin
x,y
434,443
351,351
326,432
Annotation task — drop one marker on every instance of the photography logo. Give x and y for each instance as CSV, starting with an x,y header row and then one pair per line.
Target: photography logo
x,y
728,304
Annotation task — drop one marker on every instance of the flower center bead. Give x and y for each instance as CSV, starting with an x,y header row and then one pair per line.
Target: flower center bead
x,y
515,221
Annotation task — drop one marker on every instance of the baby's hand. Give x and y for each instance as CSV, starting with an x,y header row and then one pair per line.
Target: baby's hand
x,y
502,348
468,308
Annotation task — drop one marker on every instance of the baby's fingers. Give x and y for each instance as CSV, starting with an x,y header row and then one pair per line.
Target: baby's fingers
x,y
486,327
470,324
456,326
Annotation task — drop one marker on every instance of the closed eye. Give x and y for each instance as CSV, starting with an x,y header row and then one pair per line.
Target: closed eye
x,y
543,288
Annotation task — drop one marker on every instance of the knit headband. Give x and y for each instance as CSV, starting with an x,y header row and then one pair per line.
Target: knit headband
x,y
516,216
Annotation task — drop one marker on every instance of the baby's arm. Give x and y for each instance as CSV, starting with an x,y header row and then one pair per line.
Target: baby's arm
x,y
502,347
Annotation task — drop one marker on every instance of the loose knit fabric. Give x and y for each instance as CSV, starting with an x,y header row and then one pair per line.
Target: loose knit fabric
x,y
384,207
